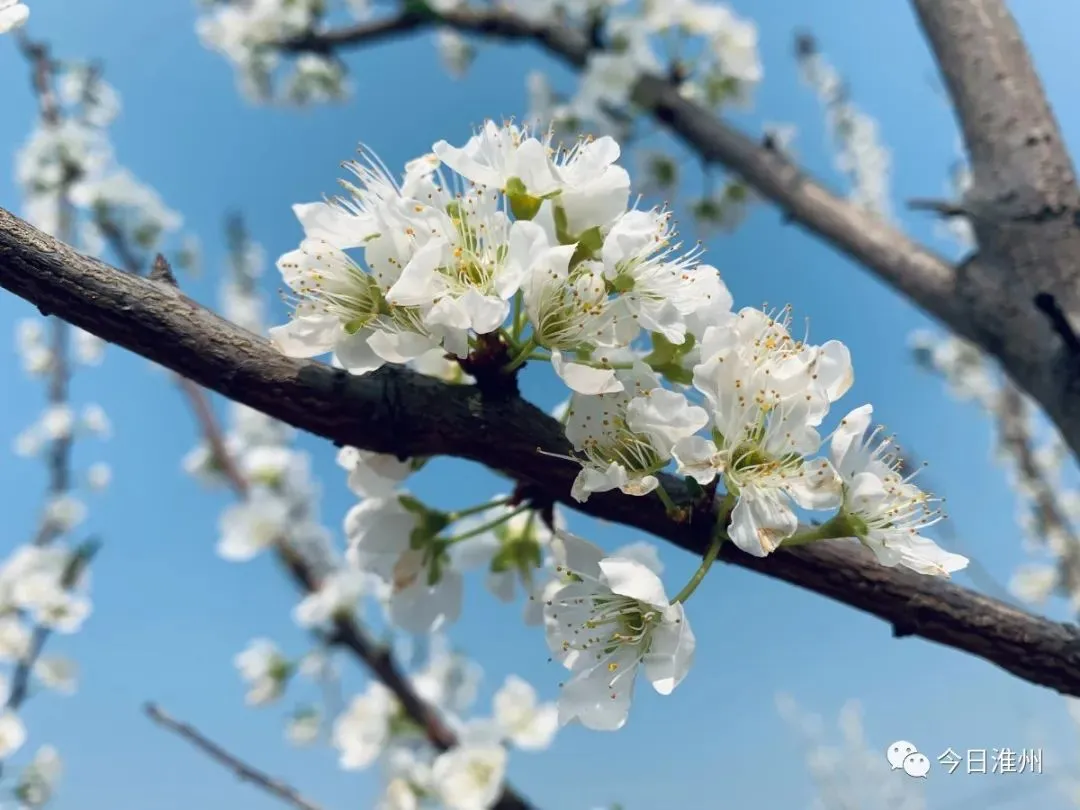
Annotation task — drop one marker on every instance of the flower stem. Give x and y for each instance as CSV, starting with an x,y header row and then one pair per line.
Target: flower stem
x,y
522,355
669,504
518,321
703,569
486,527
474,510
840,525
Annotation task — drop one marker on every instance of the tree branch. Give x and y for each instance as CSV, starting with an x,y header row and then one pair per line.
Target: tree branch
x,y
1053,524
244,772
1024,203
910,268
1012,139
397,411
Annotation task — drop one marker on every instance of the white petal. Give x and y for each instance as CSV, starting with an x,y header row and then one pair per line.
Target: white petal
x,y
851,430
761,520
588,699
307,336
356,355
577,554
643,552
585,379
631,578
330,224
694,455
671,652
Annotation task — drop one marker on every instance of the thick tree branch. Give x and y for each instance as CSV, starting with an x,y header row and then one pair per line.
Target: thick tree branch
x,y
1012,139
912,269
244,772
398,411
1024,203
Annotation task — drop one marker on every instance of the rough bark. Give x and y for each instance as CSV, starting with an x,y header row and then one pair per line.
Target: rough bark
x,y
398,411
1024,205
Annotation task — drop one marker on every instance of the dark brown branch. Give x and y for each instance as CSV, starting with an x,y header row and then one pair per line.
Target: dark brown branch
x,y
910,268
244,772
403,413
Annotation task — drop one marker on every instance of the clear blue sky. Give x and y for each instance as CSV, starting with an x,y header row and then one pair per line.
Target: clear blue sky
x,y
169,615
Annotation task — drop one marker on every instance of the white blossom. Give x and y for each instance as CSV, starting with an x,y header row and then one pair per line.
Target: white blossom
x,y
252,526
610,615
886,510
363,730
98,476
12,733
423,593
37,782
265,670
57,673
625,438
303,728
469,777
527,723
339,593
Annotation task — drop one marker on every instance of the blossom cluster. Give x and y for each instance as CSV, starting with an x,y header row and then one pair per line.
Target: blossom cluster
x,y
714,52
246,33
511,242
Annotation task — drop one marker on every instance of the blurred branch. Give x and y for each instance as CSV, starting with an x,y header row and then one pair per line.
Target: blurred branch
x,y
244,772
42,72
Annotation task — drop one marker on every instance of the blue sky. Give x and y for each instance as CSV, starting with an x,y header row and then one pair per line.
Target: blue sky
x,y
169,615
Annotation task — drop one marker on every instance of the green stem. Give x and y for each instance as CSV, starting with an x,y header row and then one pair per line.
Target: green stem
x,y
669,504
486,527
840,525
703,569
522,355
474,510
540,356
518,322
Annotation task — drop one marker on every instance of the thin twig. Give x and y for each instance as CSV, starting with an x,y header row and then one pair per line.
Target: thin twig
x,y
243,771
